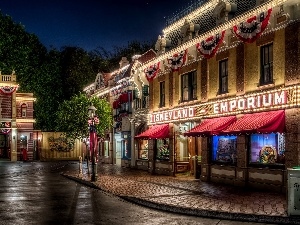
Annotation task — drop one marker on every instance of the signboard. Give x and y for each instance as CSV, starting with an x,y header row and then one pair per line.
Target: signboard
x,y
287,97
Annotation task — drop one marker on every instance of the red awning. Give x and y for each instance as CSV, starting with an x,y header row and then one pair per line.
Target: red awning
x,y
116,104
155,132
211,126
264,122
125,97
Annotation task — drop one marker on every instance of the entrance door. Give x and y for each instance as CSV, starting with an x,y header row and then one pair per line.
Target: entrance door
x,y
118,153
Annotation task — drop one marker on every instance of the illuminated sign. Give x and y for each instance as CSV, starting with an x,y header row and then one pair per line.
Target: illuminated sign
x,y
286,97
251,102
171,115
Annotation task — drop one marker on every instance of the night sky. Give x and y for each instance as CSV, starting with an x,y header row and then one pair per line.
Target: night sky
x,y
92,23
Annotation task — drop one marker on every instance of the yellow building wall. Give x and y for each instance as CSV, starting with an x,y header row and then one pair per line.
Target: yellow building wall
x,y
47,154
232,72
279,57
252,62
213,78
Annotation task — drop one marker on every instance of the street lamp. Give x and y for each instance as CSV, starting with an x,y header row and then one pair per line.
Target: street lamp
x,y
93,120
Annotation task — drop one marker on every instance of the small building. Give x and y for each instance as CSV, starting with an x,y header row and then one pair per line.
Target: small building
x,y
18,139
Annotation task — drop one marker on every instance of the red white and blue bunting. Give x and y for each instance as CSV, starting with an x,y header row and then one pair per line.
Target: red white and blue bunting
x,y
8,90
251,29
151,71
177,60
209,47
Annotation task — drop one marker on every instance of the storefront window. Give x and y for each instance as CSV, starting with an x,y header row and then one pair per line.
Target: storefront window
x,y
163,150
143,149
267,148
224,149
126,149
106,148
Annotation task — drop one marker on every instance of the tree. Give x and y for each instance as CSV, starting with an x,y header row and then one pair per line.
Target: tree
x,y
21,52
72,116
77,70
49,92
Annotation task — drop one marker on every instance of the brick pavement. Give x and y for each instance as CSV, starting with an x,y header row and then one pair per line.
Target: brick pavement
x,y
184,194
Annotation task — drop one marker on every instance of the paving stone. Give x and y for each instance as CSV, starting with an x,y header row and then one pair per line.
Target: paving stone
x,y
187,193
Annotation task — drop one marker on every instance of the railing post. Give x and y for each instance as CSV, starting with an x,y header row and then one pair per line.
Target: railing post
x,y
195,166
80,167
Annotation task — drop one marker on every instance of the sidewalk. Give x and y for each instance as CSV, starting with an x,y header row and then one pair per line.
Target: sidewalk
x,y
184,194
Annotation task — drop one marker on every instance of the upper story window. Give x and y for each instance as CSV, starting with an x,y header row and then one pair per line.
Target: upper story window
x,y
223,76
189,86
23,110
162,94
266,58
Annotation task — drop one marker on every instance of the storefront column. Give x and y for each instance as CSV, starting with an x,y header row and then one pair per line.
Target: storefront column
x,y
205,166
113,149
133,155
151,156
14,135
241,157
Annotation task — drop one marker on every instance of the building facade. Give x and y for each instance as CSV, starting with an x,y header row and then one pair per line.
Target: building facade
x,y
224,88
18,139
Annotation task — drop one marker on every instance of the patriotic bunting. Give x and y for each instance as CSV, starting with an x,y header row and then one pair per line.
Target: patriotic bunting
x,y
7,90
209,47
250,30
177,60
151,71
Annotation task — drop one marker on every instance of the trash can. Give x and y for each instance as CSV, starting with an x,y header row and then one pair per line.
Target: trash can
x,y
293,177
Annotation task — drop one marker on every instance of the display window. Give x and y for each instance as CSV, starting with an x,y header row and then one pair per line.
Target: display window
x,y
224,149
163,149
267,149
143,149
126,149
106,148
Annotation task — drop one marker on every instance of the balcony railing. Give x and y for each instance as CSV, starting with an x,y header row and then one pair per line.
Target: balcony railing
x,y
8,78
142,103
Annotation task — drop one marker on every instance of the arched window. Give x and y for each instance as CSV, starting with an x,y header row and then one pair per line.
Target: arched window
x,y
23,110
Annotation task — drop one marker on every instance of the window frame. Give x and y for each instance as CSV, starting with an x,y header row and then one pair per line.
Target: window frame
x,y
23,110
259,164
160,147
233,162
223,74
162,94
142,150
266,79
189,86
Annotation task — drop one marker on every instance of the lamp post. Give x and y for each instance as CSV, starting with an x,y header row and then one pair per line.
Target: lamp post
x,y
93,120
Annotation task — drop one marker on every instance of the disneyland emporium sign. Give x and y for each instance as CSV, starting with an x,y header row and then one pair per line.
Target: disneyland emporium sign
x,y
172,115
258,101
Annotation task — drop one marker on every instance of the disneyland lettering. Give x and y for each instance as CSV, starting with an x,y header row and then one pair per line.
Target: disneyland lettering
x,y
251,102
175,114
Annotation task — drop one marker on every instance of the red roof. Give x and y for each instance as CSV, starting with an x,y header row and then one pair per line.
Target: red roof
x,y
155,132
264,122
116,104
150,54
125,97
211,126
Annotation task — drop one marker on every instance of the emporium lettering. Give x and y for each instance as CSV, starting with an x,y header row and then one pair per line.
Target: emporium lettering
x,y
251,102
170,115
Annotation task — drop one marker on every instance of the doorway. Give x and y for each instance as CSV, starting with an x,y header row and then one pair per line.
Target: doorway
x,y
118,153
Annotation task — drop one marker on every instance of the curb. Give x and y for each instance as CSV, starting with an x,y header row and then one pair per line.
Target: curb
x,y
293,220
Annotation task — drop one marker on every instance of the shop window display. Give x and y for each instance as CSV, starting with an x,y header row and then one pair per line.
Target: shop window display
x,y
163,149
143,149
267,148
224,149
